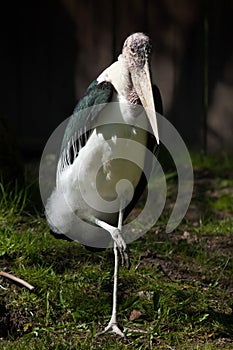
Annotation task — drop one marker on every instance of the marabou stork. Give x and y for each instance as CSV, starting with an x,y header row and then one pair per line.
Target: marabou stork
x,y
88,146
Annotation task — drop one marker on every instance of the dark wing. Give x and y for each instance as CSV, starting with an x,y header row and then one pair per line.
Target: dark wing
x,y
79,128
154,148
83,120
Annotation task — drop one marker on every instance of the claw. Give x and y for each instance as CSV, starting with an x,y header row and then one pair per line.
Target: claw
x,y
124,258
121,245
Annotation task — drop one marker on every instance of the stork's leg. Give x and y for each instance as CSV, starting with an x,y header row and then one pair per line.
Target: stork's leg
x,y
115,234
112,327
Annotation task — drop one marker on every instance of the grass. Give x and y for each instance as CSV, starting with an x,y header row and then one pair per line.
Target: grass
x,y
178,292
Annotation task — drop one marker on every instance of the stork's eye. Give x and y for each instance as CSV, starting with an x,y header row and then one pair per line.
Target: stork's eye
x,y
133,49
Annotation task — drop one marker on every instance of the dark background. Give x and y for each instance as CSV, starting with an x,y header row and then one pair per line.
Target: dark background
x,y
51,51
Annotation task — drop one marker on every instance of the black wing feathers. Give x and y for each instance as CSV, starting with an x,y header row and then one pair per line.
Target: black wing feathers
x,y
86,112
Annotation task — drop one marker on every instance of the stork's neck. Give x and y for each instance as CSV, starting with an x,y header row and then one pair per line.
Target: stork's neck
x,y
118,75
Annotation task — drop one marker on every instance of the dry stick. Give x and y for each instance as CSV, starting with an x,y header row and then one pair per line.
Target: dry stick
x,y
17,280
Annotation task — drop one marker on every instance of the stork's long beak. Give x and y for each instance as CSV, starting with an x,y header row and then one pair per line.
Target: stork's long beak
x,y
142,84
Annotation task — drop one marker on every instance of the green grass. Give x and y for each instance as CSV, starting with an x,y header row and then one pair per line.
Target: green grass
x,y
179,286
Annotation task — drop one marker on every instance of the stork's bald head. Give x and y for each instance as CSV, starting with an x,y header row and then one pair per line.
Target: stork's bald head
x,y
137,50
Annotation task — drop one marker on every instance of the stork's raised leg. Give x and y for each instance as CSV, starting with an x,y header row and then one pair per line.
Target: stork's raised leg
x,y
119,244
116,236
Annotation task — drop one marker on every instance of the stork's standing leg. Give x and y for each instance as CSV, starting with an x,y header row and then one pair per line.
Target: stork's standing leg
x,y
119,244
112,326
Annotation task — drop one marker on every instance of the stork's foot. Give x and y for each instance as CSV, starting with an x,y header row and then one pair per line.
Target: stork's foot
x,y
112,328
121,245
124,258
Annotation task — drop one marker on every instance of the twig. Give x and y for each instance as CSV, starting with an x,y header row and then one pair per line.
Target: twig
x,y
17,280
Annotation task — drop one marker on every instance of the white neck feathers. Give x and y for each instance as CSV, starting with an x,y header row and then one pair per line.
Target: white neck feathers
x,y
118,75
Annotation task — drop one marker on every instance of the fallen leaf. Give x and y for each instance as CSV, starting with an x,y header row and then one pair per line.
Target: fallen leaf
x,y
135,314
